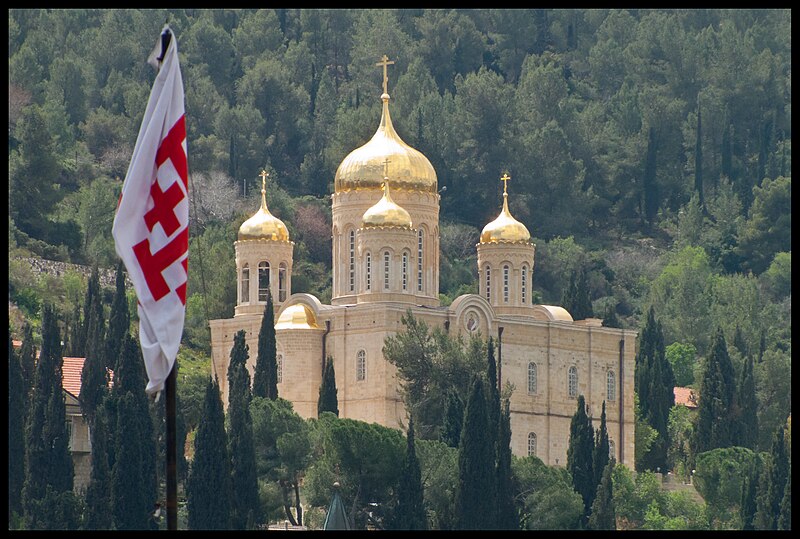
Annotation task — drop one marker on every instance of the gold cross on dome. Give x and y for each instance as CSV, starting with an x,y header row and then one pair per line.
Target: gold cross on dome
x,y
264,175
385,62
505,179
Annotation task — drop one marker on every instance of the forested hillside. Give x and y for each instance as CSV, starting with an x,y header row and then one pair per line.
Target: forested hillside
x,y
649,150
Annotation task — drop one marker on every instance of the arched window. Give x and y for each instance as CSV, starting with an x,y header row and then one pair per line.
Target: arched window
x,y
611,386
532,378
488,283
405,271
361,365
352,261
369,271
263,280
282,282
572,382
419,260
611,453
505,283
279,361
531,444
246,284
524,287
386,260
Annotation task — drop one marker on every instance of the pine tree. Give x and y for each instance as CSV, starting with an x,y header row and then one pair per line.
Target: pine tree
x,y
328,401
240,436
579,455
49,462
410,512
118,320
17,397
717,391
601,455
747,421
208,487
603,515
476,471
133,475
507,515
94,376
98,493
772,487
453,420
265,377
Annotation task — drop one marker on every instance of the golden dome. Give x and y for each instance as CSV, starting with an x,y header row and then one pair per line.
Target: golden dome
x,y
263,225
386,212
363,168
505,229
298,316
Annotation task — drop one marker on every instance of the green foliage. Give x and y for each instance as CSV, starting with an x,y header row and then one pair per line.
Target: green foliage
x,y
719,479
576,298
99,515
580,456
778,277
767,230
507,513
747,425
548,499
208,487
603,516
17,404
716,411
410,512
772,483
679,454
682,358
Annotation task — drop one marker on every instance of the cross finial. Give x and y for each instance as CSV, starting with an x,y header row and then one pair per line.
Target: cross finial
x,y
385,62
264,175
505,179
386,168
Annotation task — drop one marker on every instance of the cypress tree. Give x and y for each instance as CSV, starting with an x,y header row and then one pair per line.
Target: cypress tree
x,y
717,391
576,298
98,493
476,471
410,513
49,463
74,338
240,436
118,320
610,319
492,394
738,341
785,516
17,397
507,515
698,158
649,184
265,377
94,376
328,401
603,515
453,420
580,455
600,456
726,165
748,499
747,421
27,360
133,476
654,382
772,487
208,487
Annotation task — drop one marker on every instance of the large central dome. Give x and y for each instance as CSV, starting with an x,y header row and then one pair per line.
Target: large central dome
x,y
366,166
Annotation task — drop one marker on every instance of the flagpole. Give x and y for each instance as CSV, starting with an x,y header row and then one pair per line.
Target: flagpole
x,y
170,390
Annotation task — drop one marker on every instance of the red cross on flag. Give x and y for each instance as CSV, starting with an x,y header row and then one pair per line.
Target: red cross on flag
x,y
151,227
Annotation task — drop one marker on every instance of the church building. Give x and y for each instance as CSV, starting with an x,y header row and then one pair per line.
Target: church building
x,y
385,231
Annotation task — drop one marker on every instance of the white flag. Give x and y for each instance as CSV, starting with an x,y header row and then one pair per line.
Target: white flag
x,y
151,227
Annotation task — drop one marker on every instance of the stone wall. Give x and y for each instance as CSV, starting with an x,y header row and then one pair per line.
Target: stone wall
x,y
54,268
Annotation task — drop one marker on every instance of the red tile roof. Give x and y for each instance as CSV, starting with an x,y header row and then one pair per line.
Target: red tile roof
x,y
685,396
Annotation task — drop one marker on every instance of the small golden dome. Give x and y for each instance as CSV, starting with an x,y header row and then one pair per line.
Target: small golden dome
x,y
363,168
298,316
386,212
505,229
263,225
